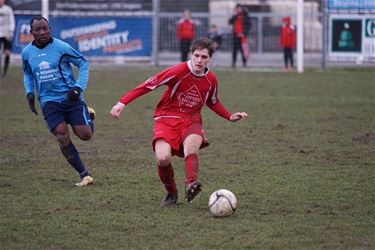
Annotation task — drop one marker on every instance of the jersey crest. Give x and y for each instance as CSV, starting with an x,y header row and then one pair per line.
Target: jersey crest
x,y
190,99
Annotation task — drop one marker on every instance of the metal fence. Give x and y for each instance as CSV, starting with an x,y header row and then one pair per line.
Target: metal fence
x,y
263,38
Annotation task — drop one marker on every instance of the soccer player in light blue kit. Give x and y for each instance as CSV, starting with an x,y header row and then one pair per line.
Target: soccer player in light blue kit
x,y
47,69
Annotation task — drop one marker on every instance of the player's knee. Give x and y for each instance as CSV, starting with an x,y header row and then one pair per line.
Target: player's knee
x,y
63,139
163,159
85,136
191,150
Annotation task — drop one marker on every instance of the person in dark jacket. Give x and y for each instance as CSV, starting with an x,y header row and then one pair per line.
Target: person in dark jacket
x,y
241,27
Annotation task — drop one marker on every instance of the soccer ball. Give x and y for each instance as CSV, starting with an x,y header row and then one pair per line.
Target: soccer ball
x,y
222,203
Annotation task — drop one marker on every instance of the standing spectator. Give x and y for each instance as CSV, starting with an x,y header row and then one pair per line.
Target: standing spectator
x,y
241,27
7,25
185,33
215,36
288,41
47,69
217,39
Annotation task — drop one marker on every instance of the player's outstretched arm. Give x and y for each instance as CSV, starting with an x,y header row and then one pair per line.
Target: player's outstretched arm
x,y
117,109
238,116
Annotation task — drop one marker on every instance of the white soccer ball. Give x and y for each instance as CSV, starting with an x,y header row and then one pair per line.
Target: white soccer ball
x,y
222,203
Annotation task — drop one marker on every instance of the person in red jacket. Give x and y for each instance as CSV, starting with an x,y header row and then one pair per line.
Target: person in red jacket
x,y
185,34
288,41
178,121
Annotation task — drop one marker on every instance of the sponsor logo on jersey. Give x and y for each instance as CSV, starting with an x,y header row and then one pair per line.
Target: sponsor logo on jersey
x,y
190,99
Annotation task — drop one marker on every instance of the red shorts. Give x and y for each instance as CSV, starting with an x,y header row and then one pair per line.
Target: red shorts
x,y
175,130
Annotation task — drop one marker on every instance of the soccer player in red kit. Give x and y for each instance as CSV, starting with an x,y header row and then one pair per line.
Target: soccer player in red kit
x,y
178,121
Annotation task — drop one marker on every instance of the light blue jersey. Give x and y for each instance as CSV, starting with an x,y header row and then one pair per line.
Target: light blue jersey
x,y
49,70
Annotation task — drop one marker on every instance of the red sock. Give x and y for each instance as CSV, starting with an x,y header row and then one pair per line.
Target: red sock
x,y
191,168
166,175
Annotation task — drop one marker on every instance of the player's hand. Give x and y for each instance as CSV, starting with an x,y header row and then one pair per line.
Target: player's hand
x,y
73,94
238,116
117,109
31,100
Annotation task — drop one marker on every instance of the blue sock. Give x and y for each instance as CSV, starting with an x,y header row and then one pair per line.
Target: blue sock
x,y
71,154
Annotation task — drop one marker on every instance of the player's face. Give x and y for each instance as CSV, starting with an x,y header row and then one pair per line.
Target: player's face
x,y
41,32
199,60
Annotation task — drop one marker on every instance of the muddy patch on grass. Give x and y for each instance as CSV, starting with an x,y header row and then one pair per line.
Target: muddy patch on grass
x,y
365,139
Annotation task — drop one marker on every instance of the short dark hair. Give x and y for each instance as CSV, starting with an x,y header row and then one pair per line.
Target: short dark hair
x,y
37,18
203,43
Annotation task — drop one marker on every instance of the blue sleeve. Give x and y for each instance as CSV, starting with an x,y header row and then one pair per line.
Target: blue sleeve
x,y
28,78
78,60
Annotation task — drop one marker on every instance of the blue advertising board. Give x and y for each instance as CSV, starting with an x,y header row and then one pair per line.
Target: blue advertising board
x,y
95,36
352,4
22,34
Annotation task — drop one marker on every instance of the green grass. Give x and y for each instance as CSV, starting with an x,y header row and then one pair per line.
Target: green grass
x,y
302,168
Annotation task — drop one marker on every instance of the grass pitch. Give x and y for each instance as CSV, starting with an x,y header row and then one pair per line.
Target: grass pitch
x,y
302,168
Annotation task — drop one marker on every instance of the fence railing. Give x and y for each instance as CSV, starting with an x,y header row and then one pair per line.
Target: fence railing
x,y
263,37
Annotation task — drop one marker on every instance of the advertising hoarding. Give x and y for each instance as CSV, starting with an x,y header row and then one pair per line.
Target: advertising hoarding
x,y
351,4
98,36
352,38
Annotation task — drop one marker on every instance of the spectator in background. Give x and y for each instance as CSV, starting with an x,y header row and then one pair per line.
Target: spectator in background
x,y
241,27
215,36
185,33
217,39
288,41
7,25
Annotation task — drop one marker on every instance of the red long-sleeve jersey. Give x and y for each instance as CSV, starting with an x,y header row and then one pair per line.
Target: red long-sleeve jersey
x,y
186,92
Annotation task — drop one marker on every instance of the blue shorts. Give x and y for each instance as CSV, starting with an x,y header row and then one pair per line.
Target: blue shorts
x,y
73,113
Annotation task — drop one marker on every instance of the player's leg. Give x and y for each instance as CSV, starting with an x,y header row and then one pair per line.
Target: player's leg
x,y
244,60
84,132
61,132
185,46
291,58
181,50
192,143
163,156
234,50
285,57
7,51
2,44
77,115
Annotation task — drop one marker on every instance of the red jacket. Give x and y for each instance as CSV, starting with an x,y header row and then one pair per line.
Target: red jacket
x,y
185,29
288,34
